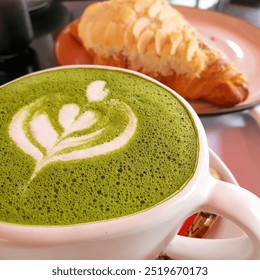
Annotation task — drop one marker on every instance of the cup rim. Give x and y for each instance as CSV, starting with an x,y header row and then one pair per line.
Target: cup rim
x,y
125,223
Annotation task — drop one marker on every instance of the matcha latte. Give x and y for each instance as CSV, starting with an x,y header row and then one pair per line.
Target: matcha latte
x,y
80,145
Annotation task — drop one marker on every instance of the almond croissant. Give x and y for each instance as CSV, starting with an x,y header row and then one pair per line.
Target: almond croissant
x,y
152,37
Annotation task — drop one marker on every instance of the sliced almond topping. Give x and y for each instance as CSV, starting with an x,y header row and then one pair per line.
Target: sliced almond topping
x,y
129,39
155,9
141,5
160,39
111,36
192,47
169,25
175,38
144,40
91,10
98,28
85,34
126,15
166,12
140,25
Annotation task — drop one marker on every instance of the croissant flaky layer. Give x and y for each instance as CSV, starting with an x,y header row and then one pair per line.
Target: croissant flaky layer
x,y
152,37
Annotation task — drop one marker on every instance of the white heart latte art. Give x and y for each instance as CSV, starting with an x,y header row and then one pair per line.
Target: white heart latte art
x,y
63,146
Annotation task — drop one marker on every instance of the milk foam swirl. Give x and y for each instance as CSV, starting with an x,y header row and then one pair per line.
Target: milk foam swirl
x,y
32,130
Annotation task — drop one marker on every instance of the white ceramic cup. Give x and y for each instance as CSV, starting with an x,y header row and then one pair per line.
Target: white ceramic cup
x,y
147,234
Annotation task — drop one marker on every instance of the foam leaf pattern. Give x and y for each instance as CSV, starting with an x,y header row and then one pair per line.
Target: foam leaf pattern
x,y
83,134
68,114
44,123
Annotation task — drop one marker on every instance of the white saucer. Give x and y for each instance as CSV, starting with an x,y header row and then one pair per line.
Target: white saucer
x,y
223,231
223,228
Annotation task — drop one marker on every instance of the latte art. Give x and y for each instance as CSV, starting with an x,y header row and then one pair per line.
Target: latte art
x,y
34,133
82,145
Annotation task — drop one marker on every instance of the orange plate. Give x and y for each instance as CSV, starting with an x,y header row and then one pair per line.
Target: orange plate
x,y
69,51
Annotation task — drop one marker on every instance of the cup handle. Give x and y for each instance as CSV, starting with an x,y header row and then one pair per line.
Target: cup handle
x,y
234,203
188,248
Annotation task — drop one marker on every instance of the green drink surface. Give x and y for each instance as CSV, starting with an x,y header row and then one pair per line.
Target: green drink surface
x,y
67,157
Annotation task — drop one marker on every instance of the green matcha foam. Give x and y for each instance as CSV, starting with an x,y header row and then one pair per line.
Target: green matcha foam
x,y
83,145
